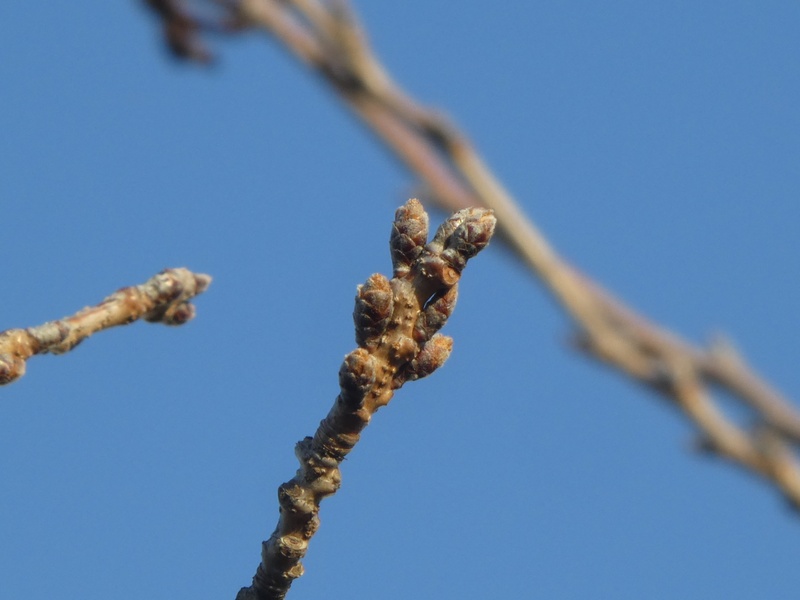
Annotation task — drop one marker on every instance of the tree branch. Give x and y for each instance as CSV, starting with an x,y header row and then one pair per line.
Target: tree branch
x,y
397,324
162,299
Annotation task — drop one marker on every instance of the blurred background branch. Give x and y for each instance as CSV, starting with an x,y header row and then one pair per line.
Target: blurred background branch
x,y
327,37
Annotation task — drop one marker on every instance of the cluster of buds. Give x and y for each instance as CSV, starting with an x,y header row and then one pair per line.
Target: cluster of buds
x,y
397,323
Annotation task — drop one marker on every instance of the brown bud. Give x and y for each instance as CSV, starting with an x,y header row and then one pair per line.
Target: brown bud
x,y
469,238
435,314
374,305
201,282
178,314
432,356
356,377
168,285
296,499
446,229
409,234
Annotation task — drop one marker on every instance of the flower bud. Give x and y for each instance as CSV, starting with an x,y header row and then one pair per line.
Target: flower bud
x,y
435,314
374,306
469,238
409,234
432,356
356,377
446,229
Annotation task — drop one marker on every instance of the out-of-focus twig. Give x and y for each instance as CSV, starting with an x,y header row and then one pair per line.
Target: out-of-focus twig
x,y
162,299
326,36
397,323
183,22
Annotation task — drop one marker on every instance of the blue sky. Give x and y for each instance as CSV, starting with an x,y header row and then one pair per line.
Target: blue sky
x,y
657,144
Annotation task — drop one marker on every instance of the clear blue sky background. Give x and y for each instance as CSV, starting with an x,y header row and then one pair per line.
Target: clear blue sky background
x,y
658,145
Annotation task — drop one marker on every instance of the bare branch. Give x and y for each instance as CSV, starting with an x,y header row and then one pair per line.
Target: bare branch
x,y
162,299
396,344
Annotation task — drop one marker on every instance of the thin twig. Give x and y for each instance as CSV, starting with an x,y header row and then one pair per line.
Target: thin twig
x,y
162,299
397,324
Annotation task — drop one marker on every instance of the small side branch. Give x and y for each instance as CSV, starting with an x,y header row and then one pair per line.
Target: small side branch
x,y
397,323
162,299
